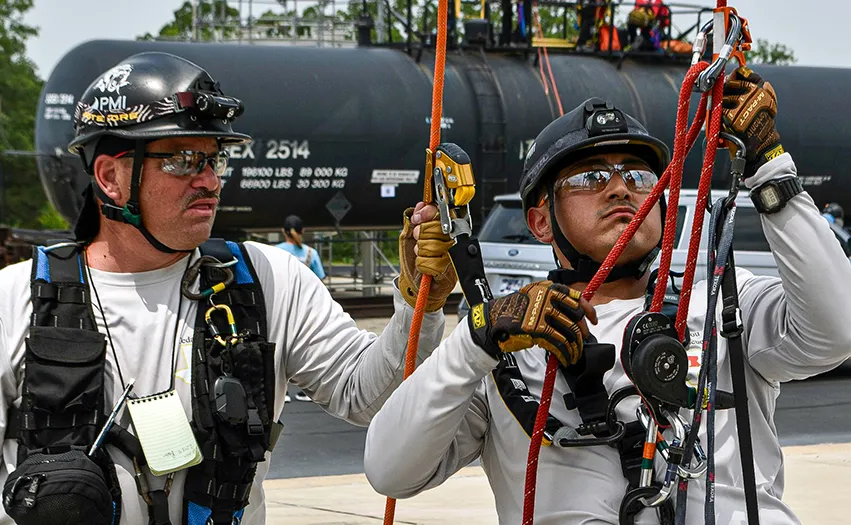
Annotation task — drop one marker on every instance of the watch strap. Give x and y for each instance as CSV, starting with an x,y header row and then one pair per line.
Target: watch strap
x,y
786,188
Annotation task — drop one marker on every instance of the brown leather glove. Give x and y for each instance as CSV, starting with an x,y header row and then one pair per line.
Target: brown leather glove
x,y
749,110
544,313
429,255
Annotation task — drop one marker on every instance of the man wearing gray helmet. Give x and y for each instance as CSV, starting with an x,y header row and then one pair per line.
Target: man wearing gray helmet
x,y
192,340
585,177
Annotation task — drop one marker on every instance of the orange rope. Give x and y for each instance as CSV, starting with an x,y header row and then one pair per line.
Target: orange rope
x,y
543,77
434,141
540,31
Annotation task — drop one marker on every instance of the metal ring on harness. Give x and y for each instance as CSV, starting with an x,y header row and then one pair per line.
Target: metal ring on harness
x,y
568,435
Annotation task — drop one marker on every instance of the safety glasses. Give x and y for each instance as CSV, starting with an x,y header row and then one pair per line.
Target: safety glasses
x,y
187,163
637,177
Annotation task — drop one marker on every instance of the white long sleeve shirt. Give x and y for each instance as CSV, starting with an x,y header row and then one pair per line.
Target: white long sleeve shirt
x,y
347,371
449,412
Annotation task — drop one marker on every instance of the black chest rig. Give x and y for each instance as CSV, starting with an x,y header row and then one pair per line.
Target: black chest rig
x,y
59,479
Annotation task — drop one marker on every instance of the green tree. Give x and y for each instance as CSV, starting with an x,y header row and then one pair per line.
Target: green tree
x,y
213,18
765,52
20,88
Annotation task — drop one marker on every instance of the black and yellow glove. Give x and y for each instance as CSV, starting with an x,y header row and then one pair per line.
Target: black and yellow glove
x,y
427,252
749,110
545,314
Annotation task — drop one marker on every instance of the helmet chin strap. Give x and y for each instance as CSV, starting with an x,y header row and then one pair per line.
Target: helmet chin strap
x,y
584,267
131,213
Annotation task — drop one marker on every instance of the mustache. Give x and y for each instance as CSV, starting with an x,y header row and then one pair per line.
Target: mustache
x,y
619,204
202,195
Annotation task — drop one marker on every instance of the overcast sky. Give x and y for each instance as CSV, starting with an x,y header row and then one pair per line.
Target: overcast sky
x,y
816,29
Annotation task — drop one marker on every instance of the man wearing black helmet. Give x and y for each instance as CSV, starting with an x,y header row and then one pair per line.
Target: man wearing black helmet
x,y
585,176
142,313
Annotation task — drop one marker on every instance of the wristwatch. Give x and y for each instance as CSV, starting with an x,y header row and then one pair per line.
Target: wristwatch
x,y
773,195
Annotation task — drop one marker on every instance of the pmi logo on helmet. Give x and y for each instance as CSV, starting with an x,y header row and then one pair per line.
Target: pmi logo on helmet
x,y
113,80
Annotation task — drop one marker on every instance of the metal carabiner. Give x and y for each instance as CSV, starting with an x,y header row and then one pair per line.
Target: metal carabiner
x,y
680,432
699,47
651,437
706,79
567,437
195,269
737,164
681,429
214,329
142,486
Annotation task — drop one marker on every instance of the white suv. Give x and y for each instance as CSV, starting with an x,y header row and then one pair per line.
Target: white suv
x,y
513,257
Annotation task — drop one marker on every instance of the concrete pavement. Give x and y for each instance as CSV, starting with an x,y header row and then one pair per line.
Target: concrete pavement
x,y
817,480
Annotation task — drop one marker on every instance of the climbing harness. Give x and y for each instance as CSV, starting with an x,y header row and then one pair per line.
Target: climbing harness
x,y
652,354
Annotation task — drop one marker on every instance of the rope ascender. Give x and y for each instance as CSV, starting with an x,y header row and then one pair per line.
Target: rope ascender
x,y
656,410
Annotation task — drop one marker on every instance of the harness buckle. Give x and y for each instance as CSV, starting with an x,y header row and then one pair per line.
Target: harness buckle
x,y
254,425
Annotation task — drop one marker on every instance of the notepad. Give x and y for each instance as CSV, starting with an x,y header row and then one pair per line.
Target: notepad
x,y
164,433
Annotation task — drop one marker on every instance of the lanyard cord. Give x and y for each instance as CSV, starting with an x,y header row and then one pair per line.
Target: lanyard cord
x,y
708,379
109,336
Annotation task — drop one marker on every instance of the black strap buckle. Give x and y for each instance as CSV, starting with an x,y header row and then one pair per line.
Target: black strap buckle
x,y
254,425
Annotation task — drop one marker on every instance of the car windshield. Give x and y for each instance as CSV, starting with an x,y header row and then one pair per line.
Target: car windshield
x,y
506,224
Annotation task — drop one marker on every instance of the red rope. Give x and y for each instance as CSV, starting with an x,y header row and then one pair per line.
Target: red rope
x,y
702,197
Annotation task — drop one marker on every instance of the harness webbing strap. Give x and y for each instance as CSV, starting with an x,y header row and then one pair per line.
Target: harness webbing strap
x,y
732,330
514,391
216,491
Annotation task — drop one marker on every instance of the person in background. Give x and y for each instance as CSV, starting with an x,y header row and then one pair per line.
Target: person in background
x,y
293,231
834,214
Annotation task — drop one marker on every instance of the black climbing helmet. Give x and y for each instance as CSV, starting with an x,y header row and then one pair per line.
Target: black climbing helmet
x,y
145,97
596,126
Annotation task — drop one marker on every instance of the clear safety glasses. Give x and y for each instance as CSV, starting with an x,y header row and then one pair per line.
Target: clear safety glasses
x,y
638,178
187,163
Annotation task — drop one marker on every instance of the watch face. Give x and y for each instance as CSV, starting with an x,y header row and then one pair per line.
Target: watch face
x,y
770,197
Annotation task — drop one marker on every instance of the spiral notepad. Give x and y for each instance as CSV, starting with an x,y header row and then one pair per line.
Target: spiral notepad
x,y
164,432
